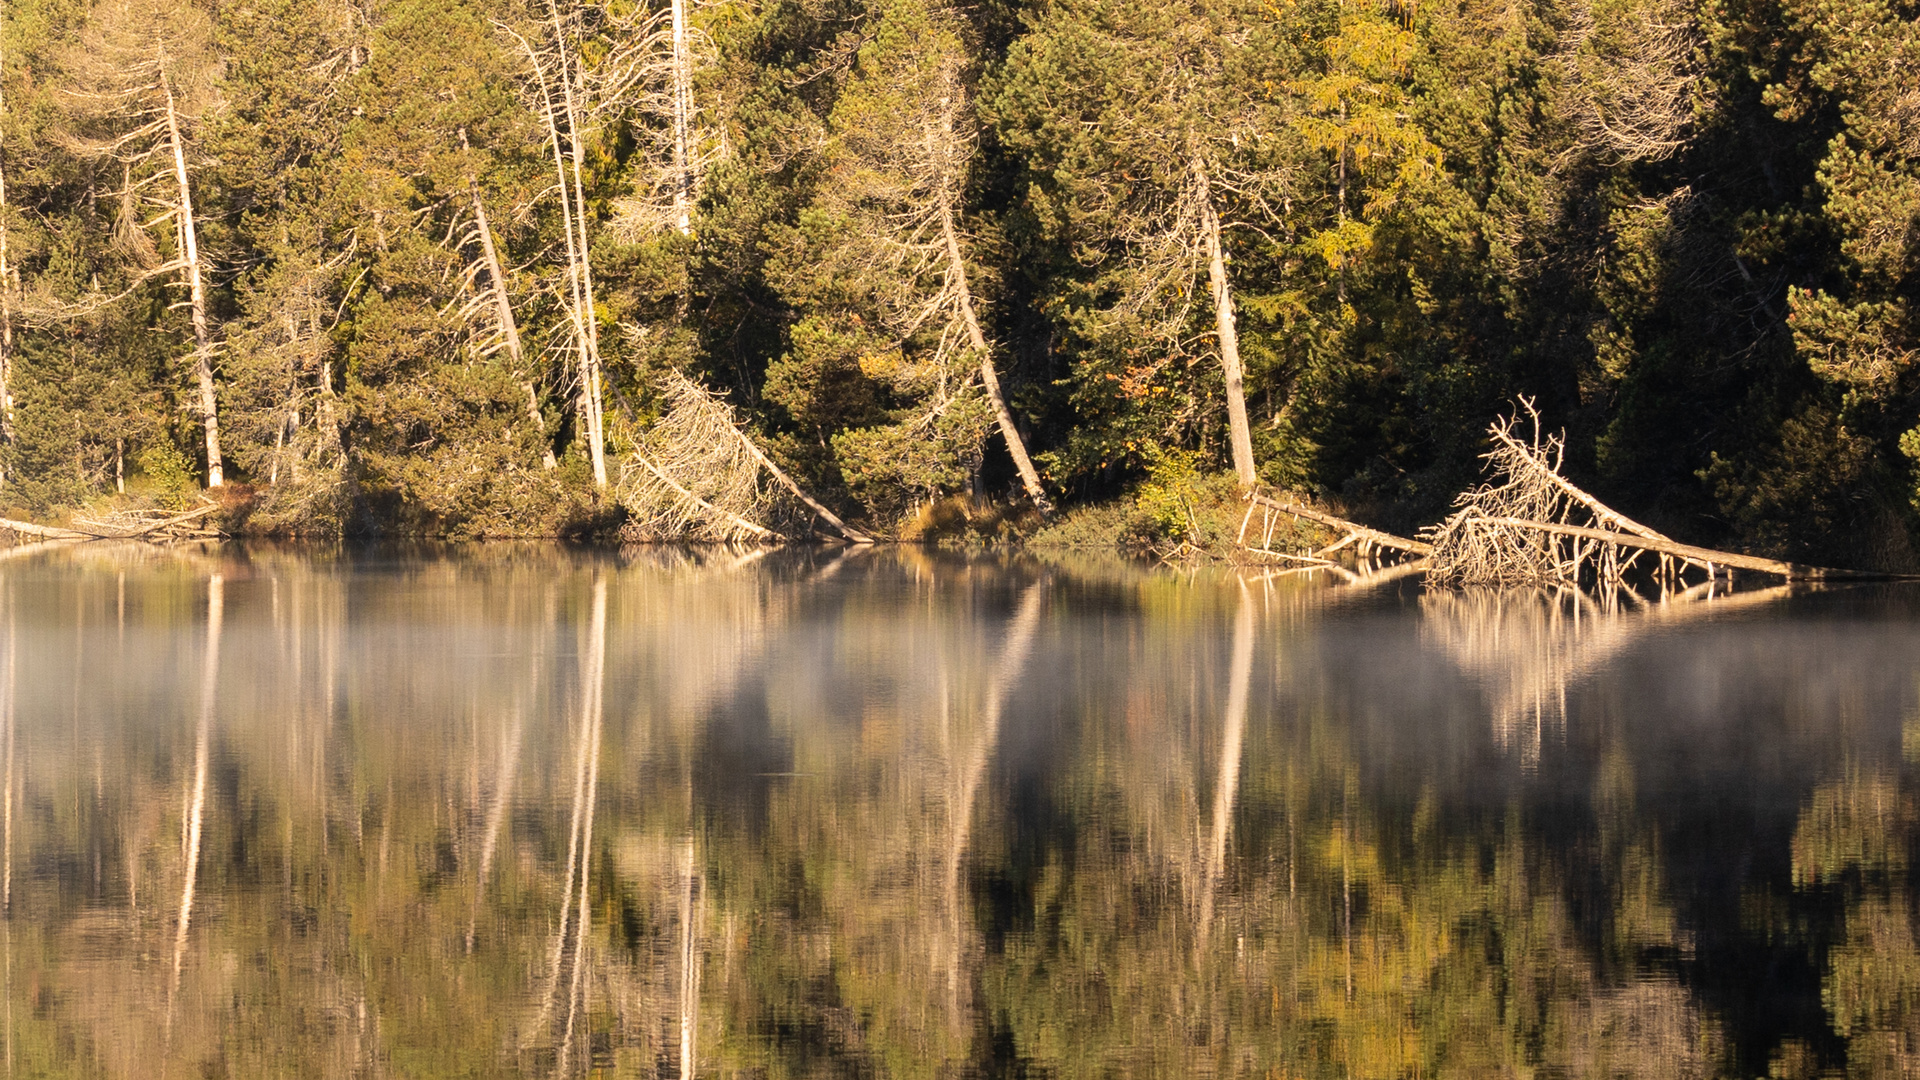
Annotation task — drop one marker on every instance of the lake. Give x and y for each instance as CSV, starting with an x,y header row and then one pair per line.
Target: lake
x,y
524,810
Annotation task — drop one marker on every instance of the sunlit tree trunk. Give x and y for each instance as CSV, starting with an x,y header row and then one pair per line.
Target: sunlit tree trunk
x,y
6,283
683,178
1240,432
578,245
1016,446
196,289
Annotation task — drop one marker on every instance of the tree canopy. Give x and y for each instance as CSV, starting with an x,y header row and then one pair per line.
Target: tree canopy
x,y
388,266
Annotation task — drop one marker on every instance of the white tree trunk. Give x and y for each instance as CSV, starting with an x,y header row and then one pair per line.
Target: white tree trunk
x,y
503,307
683,178
6,296
1240,433
202,339
590,394
579,270
1016,446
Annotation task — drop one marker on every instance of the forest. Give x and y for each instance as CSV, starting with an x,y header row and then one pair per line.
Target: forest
x,y
696,268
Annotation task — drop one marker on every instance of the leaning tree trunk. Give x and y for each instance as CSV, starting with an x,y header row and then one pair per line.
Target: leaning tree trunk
x,y
503,308
190,245
591,405
1016,446
1223,319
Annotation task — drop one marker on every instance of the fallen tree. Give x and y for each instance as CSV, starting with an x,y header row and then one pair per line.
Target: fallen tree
x,y
153,526
694,475
1528,525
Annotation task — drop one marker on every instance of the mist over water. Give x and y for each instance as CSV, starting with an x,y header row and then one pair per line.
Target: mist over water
x,y
524,810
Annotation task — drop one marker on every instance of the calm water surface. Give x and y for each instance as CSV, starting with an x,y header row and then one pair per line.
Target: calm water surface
x,y
526,811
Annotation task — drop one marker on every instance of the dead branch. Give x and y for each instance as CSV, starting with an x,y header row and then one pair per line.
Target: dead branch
x,y
1352,532
1530,526
153,526
696,476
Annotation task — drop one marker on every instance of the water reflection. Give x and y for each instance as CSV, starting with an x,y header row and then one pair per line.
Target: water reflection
x,y
518,811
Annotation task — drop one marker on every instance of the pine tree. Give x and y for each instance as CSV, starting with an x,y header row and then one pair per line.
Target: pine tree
x,y
144,74
1156,140
882,265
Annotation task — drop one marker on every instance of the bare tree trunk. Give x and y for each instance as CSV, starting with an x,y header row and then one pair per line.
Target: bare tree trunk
x,y
503,306
202,340
1240,432
1016,446
573,218
6,293
591,401
683,179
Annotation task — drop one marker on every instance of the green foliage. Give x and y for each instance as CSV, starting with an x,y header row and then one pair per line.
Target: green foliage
x,y
1686,228
171,478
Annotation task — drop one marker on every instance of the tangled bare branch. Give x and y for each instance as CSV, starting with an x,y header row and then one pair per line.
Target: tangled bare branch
x,y
696,476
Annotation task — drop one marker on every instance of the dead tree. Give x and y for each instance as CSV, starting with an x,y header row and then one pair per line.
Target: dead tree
x,y
503,331
1632,74
143,74
1530,526
1366,543
900,145
695,475
7,302
558,90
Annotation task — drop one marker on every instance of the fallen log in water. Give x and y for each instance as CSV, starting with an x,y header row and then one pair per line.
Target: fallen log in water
x,y
1352,533
1530,526
148,525
1707,558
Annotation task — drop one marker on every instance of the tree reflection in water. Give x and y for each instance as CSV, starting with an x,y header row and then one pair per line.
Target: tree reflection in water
x,y
523,811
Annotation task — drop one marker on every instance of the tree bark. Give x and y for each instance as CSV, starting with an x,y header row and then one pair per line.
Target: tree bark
x,y
682,123
202,339
503,307
6,294
592,405
1240,433
1016,446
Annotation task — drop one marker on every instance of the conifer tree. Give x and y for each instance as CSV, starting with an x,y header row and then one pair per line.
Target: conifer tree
x,y
1153,133
1857,331
144,74
883,266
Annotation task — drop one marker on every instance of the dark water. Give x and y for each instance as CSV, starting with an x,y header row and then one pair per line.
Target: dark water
x,y
515,811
